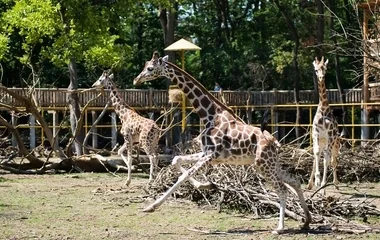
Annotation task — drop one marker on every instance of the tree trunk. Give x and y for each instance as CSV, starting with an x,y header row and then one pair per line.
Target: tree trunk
x,y
168,19
320,39
338,75
294,33
73,100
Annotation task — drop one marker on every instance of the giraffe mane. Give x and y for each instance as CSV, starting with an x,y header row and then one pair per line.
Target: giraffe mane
x,y
204,90
117,93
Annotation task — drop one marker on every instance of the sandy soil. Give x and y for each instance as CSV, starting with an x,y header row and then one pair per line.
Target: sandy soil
x,y
96,206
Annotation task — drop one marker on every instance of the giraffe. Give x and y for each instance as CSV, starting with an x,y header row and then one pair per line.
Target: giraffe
x,y
225,139
134,129
324,132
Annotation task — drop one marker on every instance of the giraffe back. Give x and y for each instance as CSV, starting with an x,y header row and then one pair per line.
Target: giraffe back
x,y
234,142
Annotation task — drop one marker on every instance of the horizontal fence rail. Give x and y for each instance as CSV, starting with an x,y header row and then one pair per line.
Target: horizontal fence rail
x,y
47,97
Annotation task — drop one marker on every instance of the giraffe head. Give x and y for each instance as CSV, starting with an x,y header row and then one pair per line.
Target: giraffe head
x,y
103,80
320,68
152,69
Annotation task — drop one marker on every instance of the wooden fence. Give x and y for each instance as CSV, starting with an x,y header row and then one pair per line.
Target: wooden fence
x,y
149,98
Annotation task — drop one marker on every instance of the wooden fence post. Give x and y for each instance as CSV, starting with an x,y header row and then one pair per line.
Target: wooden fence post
x,y
274,115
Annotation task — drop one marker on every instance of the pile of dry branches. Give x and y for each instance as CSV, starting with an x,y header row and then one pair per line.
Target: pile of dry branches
x,y
355,163
239,188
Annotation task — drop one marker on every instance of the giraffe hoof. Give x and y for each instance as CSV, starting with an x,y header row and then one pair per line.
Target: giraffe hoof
x,y
305,227
206,186
278,231
127,183
149,209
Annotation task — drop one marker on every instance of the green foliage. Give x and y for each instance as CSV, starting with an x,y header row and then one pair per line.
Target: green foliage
x,y
33,20
3,46
233,35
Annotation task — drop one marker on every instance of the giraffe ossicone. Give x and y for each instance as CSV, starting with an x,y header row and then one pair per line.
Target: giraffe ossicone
x,y
225,139
135,129
325,133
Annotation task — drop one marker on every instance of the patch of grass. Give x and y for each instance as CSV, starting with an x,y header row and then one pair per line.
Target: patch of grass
x,y
3,179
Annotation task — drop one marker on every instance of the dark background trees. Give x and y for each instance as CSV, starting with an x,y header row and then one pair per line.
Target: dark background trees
x,y
282,36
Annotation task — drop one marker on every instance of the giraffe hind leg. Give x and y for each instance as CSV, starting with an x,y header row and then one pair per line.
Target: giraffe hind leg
x,y
296,185
334,164
281,191
310,185
149,143
153,161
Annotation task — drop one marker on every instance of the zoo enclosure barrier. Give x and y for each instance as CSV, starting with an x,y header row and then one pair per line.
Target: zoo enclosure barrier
x,y
153,103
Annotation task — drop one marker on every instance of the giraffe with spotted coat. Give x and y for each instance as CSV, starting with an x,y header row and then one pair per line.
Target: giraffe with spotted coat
x,y
225,139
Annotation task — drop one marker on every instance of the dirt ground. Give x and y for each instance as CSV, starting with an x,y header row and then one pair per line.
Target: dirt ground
x,y
97,206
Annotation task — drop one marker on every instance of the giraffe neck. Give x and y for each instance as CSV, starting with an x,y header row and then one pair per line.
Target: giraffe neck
x,y
323,105
205,104
121,109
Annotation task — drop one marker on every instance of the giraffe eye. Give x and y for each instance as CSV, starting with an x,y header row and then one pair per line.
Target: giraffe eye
x,y
150,68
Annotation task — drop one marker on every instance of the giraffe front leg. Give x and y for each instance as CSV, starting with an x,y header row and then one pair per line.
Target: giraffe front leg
x,y
317,157
177,160
127,160
185,176
326,163
153,165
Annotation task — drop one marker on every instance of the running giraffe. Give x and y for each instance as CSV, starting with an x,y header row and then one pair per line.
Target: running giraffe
x,y
225,139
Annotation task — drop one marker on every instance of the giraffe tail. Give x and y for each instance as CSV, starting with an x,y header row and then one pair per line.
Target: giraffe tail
x,y
265,119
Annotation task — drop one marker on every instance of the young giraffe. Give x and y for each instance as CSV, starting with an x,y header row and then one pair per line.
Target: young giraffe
x,y
135,128
325,132
225,139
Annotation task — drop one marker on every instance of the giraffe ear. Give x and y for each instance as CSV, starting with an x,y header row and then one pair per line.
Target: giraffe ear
x,y
327,61
163,60
155,55
315,63
111,76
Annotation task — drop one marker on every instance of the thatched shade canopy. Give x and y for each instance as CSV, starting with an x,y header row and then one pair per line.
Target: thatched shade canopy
x,y
182,45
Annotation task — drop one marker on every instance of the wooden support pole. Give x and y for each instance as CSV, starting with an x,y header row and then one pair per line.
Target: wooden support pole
x,y
183,105
32,132
364,114
14,124
94,136
55,128
114,129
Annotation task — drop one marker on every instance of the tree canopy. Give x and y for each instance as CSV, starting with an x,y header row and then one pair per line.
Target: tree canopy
x,y
246,44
